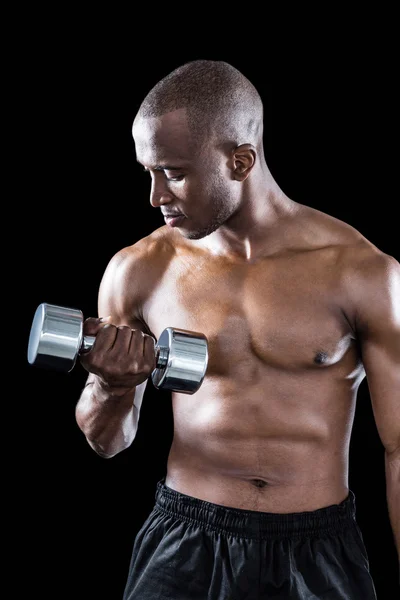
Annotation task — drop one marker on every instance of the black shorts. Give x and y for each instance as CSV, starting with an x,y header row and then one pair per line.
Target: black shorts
x,y
189,549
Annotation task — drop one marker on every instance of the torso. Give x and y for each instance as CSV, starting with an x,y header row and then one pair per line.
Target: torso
x,y
269,428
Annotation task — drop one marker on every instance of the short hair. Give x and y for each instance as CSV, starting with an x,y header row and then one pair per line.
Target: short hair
x,y
220,101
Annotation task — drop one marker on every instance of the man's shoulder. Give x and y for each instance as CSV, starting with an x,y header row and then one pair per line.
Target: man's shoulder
x,y
149,253
355,259
368,277
350,244
134,272
366,271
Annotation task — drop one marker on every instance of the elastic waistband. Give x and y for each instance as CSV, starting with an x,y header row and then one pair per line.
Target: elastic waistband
x,y
255,524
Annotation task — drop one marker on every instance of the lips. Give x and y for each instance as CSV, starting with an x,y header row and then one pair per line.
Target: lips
x,y
174,219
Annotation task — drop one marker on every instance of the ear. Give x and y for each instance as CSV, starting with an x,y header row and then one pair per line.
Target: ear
x,y
244,158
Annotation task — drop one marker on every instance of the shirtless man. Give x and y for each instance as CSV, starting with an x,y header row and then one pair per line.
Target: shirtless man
x,y
298,307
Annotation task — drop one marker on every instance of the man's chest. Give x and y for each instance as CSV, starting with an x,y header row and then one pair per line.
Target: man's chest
x,y
282,312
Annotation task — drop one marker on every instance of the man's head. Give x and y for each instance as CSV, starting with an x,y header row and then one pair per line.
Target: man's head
x,y
205,121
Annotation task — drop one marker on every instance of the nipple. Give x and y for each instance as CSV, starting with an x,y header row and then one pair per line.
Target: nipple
x,y
321,358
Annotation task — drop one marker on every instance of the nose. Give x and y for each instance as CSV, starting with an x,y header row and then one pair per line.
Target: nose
x,y
159,194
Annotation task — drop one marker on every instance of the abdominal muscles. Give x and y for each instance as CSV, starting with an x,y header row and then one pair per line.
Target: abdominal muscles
x,y
229,441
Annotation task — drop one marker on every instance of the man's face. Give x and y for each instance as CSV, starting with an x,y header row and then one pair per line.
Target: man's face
x,y
185,179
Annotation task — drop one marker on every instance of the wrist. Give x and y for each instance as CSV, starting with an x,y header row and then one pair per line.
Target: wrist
x,y
105,391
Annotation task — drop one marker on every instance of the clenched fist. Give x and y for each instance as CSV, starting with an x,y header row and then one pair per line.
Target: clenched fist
x,y
120,356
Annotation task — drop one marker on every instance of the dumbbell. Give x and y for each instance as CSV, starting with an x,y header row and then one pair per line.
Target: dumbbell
x,y
56,339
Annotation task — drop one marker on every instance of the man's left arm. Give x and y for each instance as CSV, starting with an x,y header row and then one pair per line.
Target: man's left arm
x,y
377,318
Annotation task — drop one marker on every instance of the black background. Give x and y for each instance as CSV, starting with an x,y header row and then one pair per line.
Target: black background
x,y
79,196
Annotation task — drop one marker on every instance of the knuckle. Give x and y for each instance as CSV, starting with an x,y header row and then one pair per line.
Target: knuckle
x,y
149,366
137,333
124,328
135,367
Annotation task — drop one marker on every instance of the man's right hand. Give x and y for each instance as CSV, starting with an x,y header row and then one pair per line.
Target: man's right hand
x,y
121,357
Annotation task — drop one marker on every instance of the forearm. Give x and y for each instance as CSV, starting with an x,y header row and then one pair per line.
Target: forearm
x,y
392,470
108,418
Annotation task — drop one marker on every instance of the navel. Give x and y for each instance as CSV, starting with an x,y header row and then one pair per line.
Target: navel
x,y
258,483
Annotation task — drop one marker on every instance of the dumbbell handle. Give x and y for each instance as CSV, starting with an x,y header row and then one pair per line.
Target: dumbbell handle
x,y
161,351
87,343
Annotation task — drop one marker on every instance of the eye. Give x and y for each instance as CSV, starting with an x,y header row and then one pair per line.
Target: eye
x,y
173,177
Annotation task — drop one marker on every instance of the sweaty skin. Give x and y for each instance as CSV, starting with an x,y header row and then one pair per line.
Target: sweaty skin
x,y
275,286
269,428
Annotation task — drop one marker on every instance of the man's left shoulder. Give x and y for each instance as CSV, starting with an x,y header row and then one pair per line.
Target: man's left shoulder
x,y
366,262
371,284
356,254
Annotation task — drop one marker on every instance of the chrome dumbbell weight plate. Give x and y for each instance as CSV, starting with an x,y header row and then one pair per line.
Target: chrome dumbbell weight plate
x,y
182,358
56,339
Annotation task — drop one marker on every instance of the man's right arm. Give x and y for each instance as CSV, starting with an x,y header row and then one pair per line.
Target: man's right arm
x,y
121,359
109,417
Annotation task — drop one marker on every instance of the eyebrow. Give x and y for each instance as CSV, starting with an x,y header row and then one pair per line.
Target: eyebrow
x,y
161,167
